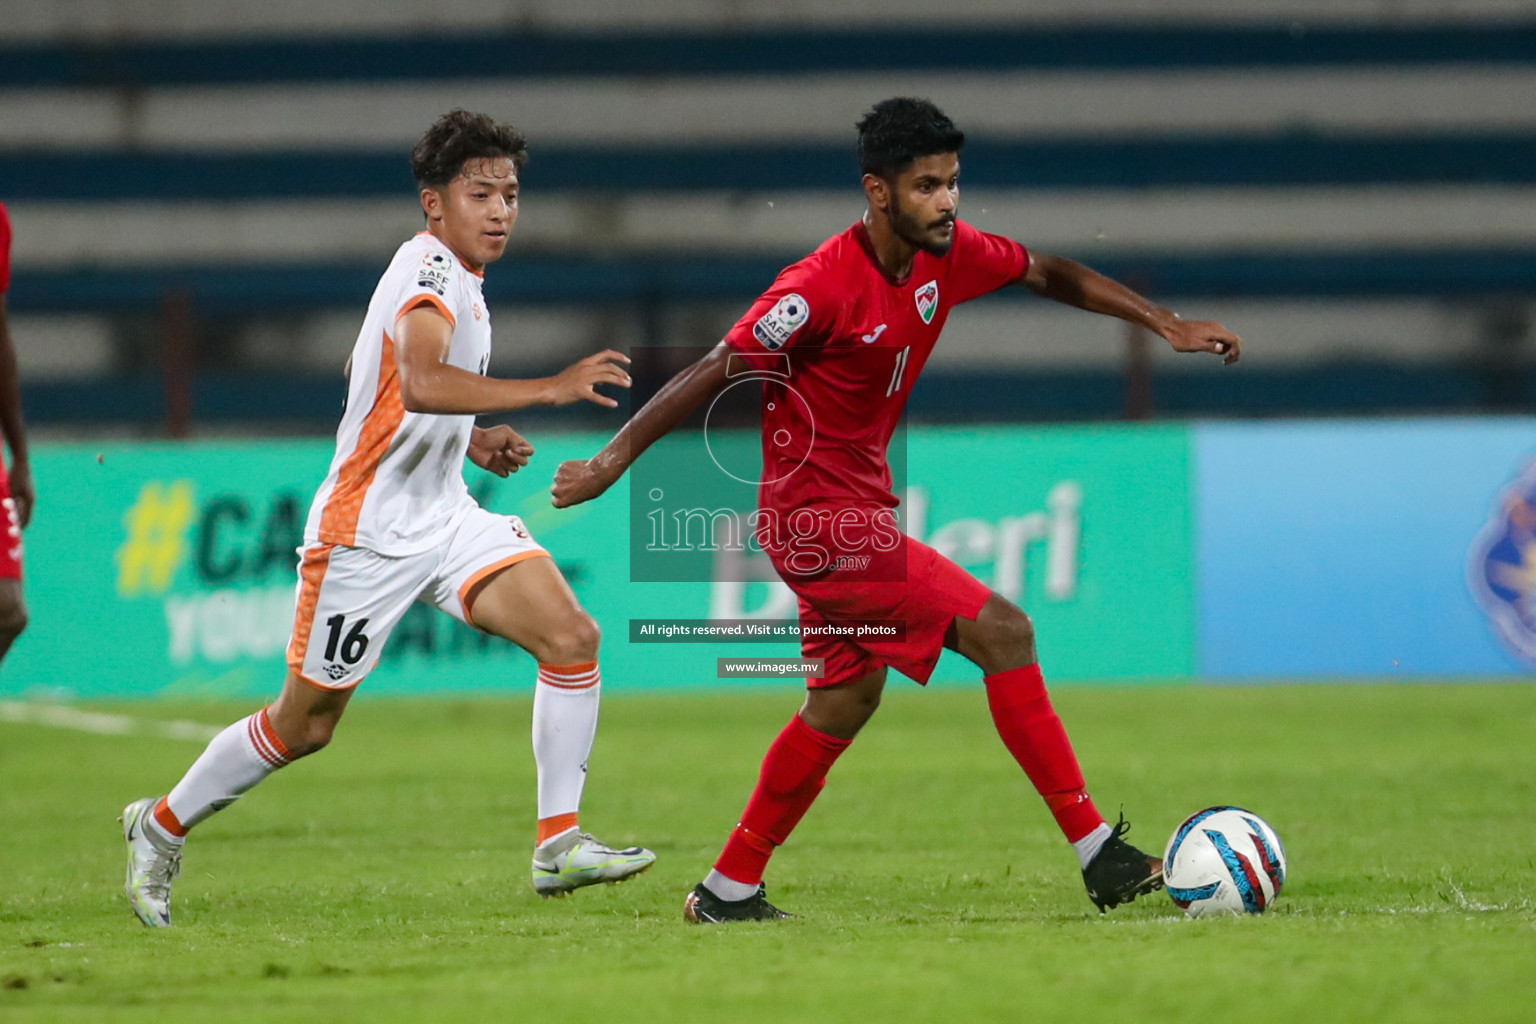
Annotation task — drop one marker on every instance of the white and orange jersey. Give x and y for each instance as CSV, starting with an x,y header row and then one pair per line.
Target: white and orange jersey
x,y
396,484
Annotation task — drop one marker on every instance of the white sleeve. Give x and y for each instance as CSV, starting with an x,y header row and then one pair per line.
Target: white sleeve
x,y
432,282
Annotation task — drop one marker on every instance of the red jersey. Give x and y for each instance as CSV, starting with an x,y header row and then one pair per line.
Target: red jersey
x,y
5,250
839,344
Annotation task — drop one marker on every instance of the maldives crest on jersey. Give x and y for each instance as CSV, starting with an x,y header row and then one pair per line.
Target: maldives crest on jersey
x,y
1502,572
927,301
786,317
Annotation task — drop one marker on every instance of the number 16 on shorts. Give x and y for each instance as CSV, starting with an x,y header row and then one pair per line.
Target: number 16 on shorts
x,y
349,601
351,649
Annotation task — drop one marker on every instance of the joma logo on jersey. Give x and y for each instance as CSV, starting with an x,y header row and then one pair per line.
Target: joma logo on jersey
x,y
927,301
786,317
1502,572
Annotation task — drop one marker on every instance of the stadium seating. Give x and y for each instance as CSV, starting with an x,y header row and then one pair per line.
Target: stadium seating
x,y
1352,194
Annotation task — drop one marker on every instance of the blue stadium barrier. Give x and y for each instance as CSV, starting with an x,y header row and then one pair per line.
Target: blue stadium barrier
x,y
778,51
540,279
1284,159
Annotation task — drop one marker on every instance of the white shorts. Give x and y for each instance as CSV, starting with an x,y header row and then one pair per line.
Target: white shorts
x,y
351,599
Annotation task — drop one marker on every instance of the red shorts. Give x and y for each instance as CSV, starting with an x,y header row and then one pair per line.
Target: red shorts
x,y
10,531
934,592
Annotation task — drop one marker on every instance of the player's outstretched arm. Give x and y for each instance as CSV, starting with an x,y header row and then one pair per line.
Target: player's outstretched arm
x,y
584,479
1076,285
429,384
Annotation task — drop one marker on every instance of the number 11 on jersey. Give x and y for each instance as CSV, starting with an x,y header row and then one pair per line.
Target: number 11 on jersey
x,y
899,372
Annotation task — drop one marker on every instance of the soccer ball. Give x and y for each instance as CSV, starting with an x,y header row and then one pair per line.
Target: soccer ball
x,y
1224,860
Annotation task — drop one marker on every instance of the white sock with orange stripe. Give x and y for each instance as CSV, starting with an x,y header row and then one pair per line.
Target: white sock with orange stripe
x,y
237,758
565,703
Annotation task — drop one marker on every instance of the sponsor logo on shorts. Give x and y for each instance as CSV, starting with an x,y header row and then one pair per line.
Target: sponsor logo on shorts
x,y
786,317
1502,572
336,672
927,298
433,273
518,527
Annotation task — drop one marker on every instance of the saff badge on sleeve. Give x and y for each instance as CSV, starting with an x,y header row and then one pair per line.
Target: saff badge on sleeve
x,y
786,317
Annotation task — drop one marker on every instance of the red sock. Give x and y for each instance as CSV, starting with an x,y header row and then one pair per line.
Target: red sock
x,y
793,772
1035,737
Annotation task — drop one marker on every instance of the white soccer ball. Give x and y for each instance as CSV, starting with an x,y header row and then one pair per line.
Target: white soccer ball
x,y
1224,860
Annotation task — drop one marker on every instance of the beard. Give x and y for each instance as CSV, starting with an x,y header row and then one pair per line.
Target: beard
x,y
908,228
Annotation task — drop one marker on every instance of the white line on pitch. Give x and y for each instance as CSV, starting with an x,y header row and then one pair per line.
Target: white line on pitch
x,y
103,724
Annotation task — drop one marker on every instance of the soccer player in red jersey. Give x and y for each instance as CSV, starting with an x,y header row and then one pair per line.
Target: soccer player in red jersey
x,y
840,338
16,493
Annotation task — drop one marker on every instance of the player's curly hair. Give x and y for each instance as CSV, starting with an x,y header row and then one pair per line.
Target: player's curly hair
x,y
898,131
458,136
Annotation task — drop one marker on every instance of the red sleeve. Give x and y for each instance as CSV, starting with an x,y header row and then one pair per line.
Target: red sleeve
x,y
798,310
981,263
5,250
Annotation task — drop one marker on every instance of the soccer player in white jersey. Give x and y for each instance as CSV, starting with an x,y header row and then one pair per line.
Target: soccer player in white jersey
x,y
394,523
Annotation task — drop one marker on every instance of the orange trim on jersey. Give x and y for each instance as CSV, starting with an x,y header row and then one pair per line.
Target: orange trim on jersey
x,y
488,571
417,301
554,825
338,522
311,572
168,820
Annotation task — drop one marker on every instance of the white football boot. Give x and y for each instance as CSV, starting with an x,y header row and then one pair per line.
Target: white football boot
x,y
576,859
153,862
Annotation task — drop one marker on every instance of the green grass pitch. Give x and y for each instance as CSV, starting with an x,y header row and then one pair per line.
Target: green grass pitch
x,y
386,879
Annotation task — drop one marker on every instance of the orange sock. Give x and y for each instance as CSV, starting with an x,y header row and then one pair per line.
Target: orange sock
x,y
554,825
168,821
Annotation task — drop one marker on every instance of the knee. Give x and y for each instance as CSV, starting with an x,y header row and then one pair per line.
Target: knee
x,y
574,643
316,736
1008,638
301,731
846,718
842,711
865,703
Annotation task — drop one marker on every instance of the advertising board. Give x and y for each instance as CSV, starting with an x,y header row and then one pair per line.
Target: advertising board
x,y
168,569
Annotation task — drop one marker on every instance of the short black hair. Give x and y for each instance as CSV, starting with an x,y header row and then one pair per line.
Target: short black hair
x,y
898,131
459,136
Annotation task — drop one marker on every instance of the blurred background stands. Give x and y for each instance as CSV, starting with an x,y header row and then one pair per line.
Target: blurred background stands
x,y
204,194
